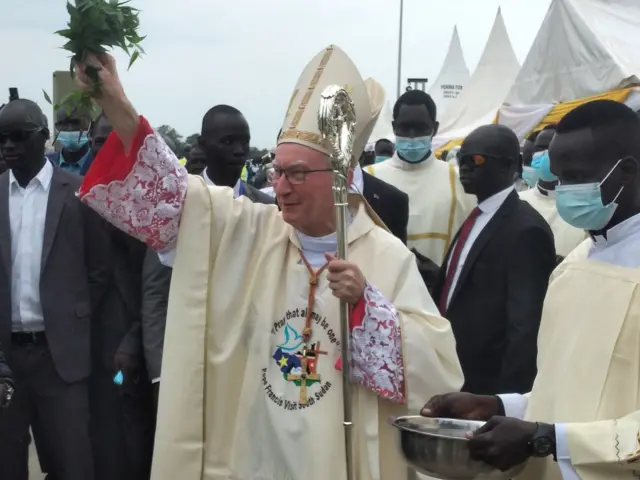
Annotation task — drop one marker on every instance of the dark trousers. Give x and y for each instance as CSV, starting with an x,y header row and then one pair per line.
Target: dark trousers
x,y
60,411
121,427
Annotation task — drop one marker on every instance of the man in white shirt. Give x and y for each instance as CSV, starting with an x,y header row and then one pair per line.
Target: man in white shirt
x,y
54,254
585,398
494,278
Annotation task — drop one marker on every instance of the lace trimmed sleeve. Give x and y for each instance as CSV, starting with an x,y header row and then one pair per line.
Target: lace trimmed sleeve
x,y
141,193
376,346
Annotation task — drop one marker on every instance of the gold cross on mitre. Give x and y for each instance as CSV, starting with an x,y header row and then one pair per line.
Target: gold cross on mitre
x,y
306,373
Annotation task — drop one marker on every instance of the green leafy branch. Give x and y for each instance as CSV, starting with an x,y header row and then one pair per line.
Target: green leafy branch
x,y
94,27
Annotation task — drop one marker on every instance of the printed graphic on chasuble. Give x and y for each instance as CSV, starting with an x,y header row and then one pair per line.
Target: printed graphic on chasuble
x,y
300,373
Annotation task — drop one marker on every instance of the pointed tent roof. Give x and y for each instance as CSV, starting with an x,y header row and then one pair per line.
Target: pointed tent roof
x,y
583,48
452,78
486,90
383,127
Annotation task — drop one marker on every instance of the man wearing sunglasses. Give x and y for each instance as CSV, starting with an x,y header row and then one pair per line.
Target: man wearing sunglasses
x,y
54,255
493,281
542,196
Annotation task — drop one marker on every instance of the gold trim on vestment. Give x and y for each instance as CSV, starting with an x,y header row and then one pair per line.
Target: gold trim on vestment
x,y
311,88
427,236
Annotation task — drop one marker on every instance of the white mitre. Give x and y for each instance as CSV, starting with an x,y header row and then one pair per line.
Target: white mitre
x,y
330,67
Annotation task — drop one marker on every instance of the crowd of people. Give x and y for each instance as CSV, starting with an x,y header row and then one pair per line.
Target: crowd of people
x,y
168,319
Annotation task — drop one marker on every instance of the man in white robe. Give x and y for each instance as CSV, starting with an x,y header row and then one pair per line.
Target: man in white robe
x,y
437,203
586,397
542,197
251,383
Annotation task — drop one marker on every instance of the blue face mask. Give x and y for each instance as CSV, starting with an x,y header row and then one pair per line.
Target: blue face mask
x,y
413,150
381,158
73,141
542,164
581,205
530,175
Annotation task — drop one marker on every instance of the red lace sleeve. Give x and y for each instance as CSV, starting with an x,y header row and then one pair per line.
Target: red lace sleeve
x,y
141,193
376,346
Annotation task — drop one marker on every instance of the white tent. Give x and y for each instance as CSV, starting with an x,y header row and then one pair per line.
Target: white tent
x,y
485,92
583,48
453,76
383,127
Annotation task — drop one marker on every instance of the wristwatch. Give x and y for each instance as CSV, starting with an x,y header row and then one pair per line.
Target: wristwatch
x,y
543,442
8,395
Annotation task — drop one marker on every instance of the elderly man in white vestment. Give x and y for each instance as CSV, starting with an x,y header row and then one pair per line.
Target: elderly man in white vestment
x,y
438,204
542,197
586,397
251,383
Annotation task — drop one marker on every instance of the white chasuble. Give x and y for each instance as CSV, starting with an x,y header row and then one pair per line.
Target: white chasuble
x,y
233,404
566,237
589,370
438,204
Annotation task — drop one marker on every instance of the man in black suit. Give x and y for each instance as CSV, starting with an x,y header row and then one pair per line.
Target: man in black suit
x,y
492,284
54,255
390,203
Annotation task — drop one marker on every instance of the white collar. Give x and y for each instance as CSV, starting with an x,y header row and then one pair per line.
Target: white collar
x,y
622,231
495,201
43,177
357,184
208,181
397,162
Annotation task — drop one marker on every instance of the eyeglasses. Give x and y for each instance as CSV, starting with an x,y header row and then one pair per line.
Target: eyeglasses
x,y
17,137
294,177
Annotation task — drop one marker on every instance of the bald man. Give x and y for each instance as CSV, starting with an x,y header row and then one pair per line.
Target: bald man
x,y
494,278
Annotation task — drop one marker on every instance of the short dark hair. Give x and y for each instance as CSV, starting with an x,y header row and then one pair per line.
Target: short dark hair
x,y
416,97
219,110
100,118
614,126
533,136
598,114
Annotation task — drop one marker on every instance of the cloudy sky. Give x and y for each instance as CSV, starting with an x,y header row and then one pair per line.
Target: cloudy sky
x,y
249,53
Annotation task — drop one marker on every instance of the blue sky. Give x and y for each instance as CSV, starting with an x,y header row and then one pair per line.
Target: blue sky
x,y
249,53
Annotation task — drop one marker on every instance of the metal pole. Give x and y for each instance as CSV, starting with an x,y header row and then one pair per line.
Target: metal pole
x,y
400,48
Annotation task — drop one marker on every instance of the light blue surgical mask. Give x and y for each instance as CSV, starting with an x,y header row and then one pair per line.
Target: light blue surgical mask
x,y
381,158
581,205
542,164
530,175
413,150
73,141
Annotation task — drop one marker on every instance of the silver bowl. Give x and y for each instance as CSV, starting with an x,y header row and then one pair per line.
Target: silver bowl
x,y
437,447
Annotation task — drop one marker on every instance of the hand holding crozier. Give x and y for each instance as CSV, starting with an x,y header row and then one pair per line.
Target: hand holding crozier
x,y
345,279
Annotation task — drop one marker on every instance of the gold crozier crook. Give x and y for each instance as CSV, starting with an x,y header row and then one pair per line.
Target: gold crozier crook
x,y
337,123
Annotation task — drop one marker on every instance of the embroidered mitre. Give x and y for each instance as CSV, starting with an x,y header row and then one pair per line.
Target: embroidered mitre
x,y
330,67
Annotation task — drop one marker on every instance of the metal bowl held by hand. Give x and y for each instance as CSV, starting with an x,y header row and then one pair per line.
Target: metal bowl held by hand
x,y
438,447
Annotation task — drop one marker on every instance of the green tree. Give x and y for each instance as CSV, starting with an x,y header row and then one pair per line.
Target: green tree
x,y
257,152
192,139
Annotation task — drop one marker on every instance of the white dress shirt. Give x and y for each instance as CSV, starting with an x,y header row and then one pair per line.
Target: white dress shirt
x,y
621,247
27,213
488,207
